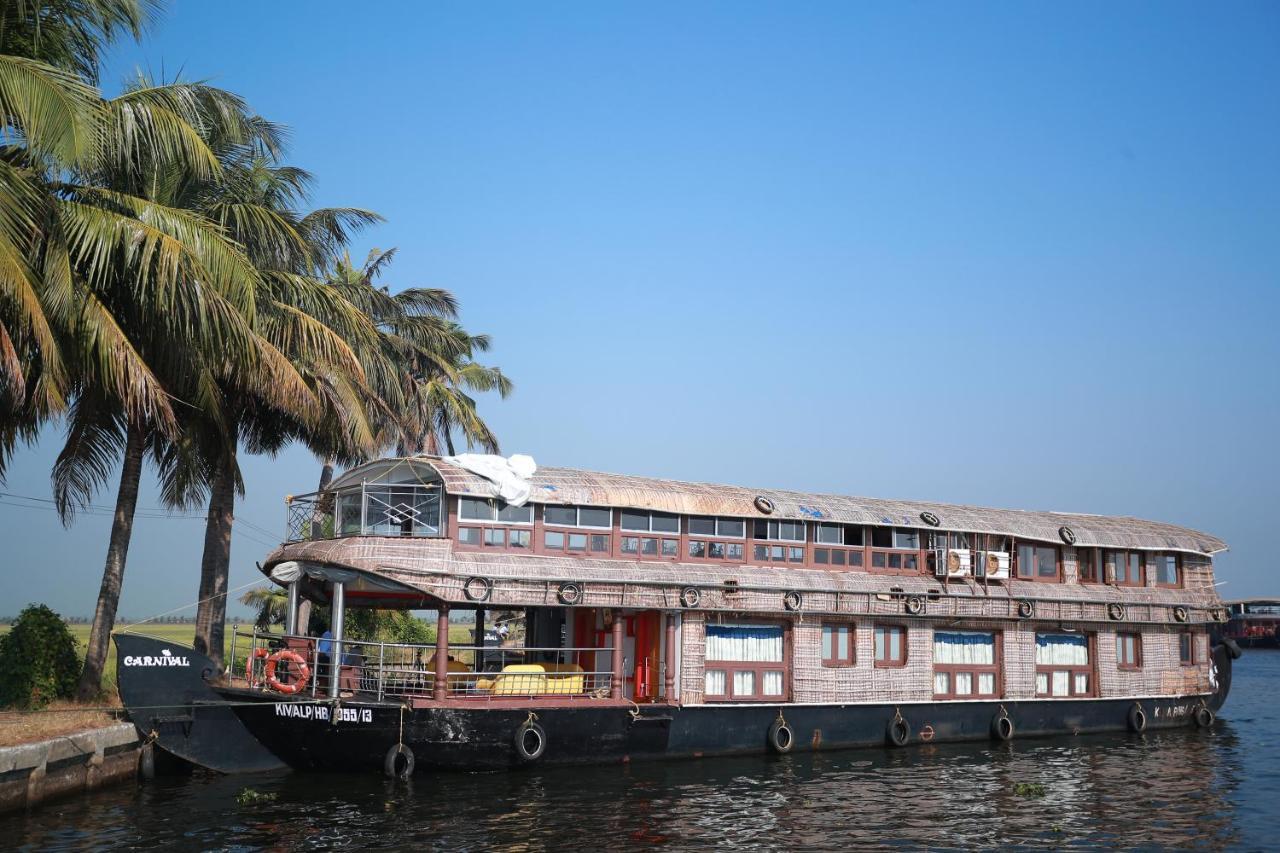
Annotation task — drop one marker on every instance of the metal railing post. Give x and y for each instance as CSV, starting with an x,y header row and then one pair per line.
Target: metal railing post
x,y
382,649
337,626
231,666
364,510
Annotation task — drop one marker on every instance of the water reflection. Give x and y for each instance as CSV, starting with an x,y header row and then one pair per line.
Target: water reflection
x,y
1170,789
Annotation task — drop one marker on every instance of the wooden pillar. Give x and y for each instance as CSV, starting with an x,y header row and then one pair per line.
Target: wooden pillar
x,y
669,665
442,653
615,684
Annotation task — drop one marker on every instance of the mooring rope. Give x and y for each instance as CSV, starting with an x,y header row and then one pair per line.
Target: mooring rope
x,y
196,603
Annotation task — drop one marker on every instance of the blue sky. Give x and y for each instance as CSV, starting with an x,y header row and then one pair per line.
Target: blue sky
x,y
1018,255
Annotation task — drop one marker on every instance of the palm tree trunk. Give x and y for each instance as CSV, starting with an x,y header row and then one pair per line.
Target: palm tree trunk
x,y
215,564
104,616
326,473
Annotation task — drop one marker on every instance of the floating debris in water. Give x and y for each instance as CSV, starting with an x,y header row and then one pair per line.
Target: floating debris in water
x,y
1028,789
250,797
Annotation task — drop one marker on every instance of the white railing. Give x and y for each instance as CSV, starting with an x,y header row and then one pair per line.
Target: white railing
x,y
406,670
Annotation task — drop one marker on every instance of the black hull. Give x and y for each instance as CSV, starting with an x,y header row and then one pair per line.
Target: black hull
x,y
480,738
235,729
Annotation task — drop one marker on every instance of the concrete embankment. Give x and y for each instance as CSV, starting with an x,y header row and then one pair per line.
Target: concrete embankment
x,y
33,773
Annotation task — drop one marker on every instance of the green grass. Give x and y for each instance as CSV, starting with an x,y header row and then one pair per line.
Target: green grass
x,y
178,634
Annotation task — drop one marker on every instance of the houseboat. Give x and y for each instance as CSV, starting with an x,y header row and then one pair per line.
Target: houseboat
x,y
1254,622
656,618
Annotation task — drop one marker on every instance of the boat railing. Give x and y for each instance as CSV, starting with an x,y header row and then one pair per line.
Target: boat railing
x,y
365,509
408,670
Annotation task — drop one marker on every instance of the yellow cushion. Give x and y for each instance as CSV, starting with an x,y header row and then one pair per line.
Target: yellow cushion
x,y
526,679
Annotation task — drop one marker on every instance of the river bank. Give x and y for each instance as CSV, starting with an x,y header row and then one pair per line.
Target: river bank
x,y
73,763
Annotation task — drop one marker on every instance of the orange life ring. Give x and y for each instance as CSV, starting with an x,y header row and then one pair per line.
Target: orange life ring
x,y
295,686
259,652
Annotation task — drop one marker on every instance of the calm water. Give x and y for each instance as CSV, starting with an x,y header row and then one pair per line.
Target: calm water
x,y
1181,789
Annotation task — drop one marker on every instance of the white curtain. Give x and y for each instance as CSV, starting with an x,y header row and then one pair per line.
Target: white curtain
x,y
1061,680
772,683
1062,650
750,643
964,647
744,683
715,684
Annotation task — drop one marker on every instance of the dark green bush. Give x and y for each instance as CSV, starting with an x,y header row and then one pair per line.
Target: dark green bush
x,y
38,660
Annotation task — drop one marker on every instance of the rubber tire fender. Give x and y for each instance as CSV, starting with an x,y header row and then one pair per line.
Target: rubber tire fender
x,y
1203,717
523,752
1233,648
781,738
569,593
1002,727
1137,718
486,585
915,605
397,751
898,731
147,762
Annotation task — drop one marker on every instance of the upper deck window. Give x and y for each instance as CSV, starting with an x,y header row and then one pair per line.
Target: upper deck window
x,y
1168,570
644,521
578,516
729,528
1126,568
722,528
1087,565
485,509
838,534
780,531
1037,562
840,545
895,537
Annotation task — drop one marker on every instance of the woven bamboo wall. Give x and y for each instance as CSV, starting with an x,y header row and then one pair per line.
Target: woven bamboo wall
x,y
433,566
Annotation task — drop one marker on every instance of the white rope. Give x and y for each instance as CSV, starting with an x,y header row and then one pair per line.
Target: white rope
x,y
189,606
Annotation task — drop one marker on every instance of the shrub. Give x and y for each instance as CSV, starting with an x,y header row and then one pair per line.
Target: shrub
x,y
38,660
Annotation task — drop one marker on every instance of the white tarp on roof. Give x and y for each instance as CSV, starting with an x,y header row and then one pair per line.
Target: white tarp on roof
x,y
509,474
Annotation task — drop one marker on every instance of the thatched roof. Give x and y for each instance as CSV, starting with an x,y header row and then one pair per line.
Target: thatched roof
x,y
593,488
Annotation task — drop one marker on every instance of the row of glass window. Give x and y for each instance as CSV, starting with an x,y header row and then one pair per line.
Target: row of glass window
x,y
1034,561
642,521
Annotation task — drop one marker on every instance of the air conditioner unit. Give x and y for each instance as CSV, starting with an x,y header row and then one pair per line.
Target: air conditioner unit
x,y
996,564
959,563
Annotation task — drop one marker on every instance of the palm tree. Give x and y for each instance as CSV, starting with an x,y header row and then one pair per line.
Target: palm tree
x,y
51,119
196,311
89,258
434,358
315,381
271,604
